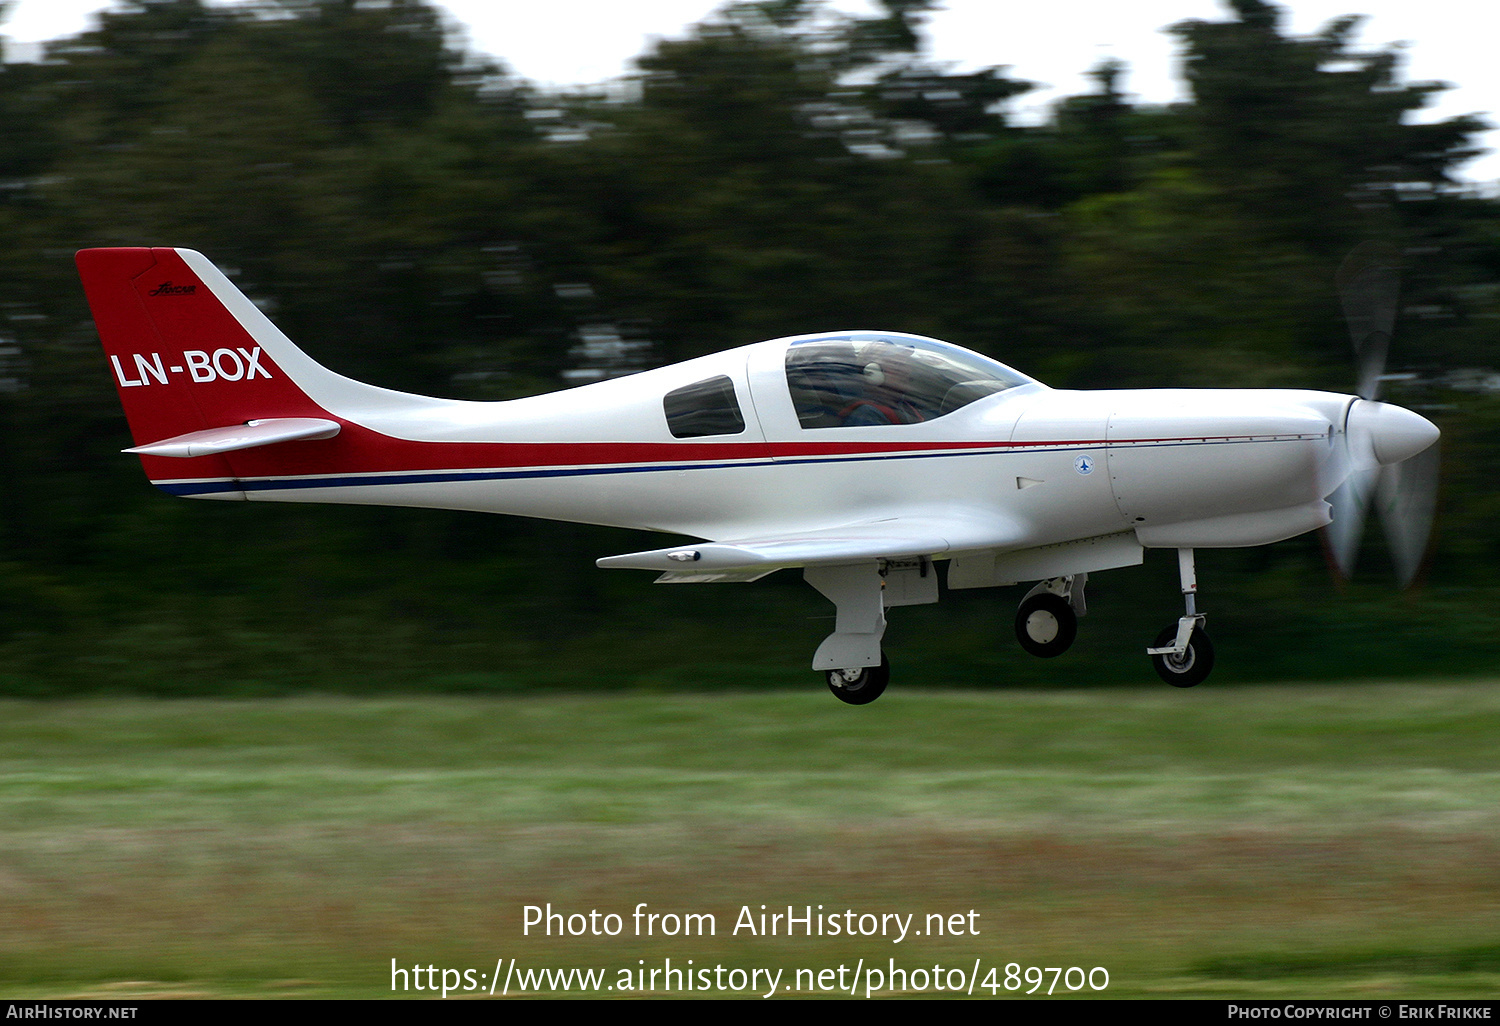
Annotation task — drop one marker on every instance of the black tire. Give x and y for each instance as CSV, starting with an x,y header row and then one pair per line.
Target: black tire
x,y
1046,625
863,689
1194,666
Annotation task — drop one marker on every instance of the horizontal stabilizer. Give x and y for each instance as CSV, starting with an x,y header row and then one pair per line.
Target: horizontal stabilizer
x,y
240,436
896,538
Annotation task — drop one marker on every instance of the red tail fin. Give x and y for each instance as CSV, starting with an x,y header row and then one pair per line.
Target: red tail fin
x,y
182,361
215,393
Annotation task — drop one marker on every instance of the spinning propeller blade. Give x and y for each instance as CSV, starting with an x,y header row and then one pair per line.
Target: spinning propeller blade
x,y
1351,504
1369,282
1406,499
1388,454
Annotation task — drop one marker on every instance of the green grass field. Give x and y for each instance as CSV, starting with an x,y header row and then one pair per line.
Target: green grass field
x,y
1267,841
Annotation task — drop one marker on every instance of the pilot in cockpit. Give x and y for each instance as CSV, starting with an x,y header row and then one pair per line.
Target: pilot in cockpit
x,y
888,389
841,381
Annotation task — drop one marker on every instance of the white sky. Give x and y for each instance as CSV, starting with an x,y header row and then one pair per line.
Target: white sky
x,y
566,42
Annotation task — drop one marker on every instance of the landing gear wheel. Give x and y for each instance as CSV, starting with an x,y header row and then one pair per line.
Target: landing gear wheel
x,y
1190,668
860,685
1046,625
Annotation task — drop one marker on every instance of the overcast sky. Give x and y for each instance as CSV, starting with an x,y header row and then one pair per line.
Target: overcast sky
x,y
565,42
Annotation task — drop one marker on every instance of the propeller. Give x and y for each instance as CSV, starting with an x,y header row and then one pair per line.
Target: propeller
x,y
1389,455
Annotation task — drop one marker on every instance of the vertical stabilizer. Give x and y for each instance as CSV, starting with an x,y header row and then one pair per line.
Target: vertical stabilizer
x,y
183,360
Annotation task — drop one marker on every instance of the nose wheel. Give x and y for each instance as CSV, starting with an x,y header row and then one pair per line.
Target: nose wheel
x,y
860,685
1190,666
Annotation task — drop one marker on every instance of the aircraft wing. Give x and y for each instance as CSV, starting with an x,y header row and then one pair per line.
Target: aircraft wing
x,y
746,559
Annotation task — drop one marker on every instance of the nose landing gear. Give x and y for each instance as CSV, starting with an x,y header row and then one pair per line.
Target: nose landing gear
x,y
1183,655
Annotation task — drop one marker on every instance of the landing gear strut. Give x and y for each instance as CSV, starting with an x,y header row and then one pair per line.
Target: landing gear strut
x,y
1183,655
851,658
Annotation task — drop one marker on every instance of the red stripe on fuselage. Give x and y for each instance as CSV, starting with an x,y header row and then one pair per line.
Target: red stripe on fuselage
x,y
359,450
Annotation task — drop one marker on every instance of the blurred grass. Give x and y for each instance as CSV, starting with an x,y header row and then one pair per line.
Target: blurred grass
x,y
1339,840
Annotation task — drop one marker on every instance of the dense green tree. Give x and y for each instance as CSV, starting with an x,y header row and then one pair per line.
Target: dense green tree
x,y
1289,128
1291,152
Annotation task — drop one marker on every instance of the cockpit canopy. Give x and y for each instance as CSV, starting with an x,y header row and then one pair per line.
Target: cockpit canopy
x,y
868,378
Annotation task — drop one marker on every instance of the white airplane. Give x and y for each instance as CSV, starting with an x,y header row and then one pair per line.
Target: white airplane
x,y
860,457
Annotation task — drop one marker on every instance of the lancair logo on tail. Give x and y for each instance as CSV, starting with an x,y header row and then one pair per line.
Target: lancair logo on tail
x,y
166,288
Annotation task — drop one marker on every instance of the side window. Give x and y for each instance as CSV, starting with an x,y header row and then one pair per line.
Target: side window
x,y
706,407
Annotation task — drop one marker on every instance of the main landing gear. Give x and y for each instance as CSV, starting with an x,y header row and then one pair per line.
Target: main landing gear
x,y
1047,621
851,658
1183,655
